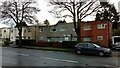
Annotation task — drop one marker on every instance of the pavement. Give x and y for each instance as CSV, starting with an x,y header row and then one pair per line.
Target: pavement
x,y
114,52
50,48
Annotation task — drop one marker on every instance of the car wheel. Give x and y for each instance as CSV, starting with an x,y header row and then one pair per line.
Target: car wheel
x,y
78,52
101,53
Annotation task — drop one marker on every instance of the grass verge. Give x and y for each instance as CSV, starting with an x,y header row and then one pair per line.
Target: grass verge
x,y
49,48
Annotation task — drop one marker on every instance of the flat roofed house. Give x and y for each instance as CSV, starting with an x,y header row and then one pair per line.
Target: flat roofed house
x,y
59,32
96,31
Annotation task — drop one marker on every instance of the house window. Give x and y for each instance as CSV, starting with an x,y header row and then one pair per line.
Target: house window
x,y
17,37
24,37
99,37
73,29
62,29
28,37
16,30
87,27
87,38
41,30
101,26
29,29
41,38
53,30
66,39
11,31
4,31
24,31
52,39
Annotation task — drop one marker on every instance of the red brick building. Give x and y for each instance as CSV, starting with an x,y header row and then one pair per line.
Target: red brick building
x,y
97,31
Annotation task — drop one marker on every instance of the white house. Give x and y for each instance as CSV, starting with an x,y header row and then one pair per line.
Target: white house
x,y
14,34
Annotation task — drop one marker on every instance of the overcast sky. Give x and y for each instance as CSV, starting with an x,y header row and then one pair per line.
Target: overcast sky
x,y
43,14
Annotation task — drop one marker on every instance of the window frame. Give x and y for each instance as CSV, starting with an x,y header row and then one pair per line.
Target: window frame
x,y
87,27
98,38
41,30
62,29
51,30
5,31
90,38
73,29
29,29
101,26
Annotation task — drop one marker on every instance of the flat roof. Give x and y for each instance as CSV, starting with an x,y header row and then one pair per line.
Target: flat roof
x,y
115,36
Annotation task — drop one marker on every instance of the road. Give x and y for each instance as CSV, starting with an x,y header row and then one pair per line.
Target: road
x,y
30,57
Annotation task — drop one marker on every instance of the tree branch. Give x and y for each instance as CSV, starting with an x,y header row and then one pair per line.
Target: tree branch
x,y
83,7
89,6
95,9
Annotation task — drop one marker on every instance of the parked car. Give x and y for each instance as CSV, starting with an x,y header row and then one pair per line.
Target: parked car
x,y
116,46
91,48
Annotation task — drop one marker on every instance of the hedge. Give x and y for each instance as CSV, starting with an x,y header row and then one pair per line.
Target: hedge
x,y
56,44
64,44
26,42
69,44
42,44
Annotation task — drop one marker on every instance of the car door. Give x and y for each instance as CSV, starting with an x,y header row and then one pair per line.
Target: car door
x,y
92,49
84,47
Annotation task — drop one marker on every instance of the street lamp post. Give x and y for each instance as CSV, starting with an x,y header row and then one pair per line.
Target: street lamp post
x,y
71,36
35,32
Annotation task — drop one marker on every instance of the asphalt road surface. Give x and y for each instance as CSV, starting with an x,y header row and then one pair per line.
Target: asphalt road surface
x,y
30,57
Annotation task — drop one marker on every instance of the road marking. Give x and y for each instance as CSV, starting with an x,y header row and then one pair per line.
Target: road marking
x,y
70,61
50,51
21,54
108,66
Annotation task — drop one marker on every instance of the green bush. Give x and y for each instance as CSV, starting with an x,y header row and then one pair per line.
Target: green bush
x,y
26,42
69,44
42,44
55,44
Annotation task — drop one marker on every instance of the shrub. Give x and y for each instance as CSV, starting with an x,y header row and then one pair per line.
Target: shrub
x,y
69,44
42,43
26,42
56,44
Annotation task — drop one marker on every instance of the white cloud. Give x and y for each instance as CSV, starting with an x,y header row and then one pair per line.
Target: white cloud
x,y
3,25
115,2
43,14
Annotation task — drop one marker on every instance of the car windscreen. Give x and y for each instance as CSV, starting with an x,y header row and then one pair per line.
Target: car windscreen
x,y
96,45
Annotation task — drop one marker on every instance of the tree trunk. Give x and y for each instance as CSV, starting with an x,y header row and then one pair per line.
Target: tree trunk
x,y
78,31
76,23
20,36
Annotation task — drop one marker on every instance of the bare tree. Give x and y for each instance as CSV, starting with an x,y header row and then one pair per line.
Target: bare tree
x,y
19,11
78,9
